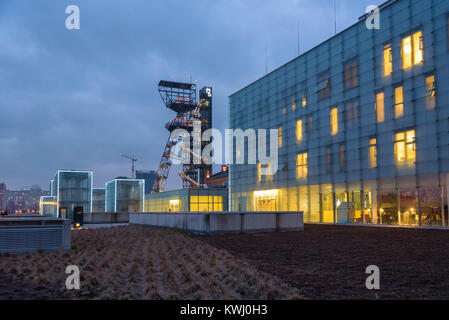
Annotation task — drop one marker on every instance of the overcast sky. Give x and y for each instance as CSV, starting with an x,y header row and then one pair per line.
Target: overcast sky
x,y
77,99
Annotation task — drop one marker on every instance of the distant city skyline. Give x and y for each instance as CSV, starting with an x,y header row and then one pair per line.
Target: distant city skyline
x,y
77,99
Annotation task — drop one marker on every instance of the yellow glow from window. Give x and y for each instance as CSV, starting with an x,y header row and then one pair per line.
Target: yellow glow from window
x,y
373,153
430,92
266,193
334,121
304,99
388,60
380,107
410,136
417,48
49,203
293,104
301,165
398,102
280,137
174,205
259,174
206,203
412,50
298,130
404,148
407,52
265,200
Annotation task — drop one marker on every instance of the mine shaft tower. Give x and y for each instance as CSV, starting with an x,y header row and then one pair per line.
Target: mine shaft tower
x,y
182,99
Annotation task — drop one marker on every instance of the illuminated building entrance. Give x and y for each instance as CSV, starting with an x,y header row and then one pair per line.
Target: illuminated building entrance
x,y
174,205
265,200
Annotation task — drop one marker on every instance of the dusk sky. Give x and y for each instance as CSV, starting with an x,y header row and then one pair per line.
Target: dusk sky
x,y
77,99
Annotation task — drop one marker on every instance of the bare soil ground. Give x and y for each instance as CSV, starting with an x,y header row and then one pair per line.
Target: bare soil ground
x,y
137,263
329,262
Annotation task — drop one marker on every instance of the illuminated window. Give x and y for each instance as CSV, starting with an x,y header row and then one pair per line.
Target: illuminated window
x,y
342,156
350,74
280,137
404,148
174,205
380,107
417,48
412,50
372,153
301,166
398,102
298,130
259,172
407,52
324,86
430,92
206,203
293,104
265,200
304,99
334,121
388,60
328,159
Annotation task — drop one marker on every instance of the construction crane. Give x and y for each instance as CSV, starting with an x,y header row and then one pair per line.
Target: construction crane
x,y
133,161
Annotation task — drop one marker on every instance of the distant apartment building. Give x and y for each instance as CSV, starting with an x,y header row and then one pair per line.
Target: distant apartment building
x,y
363,124
24,201
72,188
2,197
125,195
149,176
98,199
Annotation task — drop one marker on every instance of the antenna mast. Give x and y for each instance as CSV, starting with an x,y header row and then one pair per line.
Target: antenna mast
x,y
335,17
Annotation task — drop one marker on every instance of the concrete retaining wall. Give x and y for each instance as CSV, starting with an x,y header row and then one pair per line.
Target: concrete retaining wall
x,y
222,223
34,233
106,217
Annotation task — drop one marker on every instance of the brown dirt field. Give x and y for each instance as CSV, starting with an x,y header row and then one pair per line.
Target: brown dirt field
x,y
137,263
329,262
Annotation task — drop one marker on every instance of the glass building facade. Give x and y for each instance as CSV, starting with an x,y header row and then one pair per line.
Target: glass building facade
x,y
363,124
188,200
125,195
98,199
72,189
48,206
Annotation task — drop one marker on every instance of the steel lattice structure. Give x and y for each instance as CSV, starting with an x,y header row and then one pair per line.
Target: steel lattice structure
x,y
182,98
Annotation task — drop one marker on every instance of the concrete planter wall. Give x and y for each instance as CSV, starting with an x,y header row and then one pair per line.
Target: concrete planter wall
x,y
222,223
106,217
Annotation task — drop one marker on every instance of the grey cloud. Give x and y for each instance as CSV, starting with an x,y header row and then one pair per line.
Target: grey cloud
x,y
76,99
